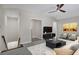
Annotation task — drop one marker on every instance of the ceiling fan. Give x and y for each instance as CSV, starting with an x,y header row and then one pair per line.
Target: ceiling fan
x,y
59,6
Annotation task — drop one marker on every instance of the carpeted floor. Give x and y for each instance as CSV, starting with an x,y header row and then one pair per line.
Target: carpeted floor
x,y
23,50
41,49
18,51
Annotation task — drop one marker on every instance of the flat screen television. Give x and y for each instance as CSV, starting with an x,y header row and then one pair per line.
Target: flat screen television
x,y
47,29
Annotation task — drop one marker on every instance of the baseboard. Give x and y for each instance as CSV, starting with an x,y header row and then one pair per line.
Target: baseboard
x,y
26,42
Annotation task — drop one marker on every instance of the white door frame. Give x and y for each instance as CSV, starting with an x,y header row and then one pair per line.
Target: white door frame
x,y
6,20
40,25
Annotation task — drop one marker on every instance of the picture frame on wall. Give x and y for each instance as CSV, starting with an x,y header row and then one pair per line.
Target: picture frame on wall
x,y
70,27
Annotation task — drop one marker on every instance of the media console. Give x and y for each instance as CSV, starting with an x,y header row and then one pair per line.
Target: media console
x,y
48,36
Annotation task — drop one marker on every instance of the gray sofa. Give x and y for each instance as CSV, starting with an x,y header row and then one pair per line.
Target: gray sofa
x,y
68,36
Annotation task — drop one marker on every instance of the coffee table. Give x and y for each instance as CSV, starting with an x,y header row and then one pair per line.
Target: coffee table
x,y
55,43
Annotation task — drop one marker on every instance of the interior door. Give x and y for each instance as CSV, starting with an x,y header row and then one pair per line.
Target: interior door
x,y
36,29
12,29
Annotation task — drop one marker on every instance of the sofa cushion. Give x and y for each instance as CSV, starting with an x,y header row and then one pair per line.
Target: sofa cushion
x,y
72,37
63,35
63,51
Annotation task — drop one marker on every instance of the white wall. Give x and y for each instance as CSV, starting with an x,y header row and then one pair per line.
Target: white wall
x,y
55,28
3,14
11,17
47,21
2,45
26,24
25,31
1,19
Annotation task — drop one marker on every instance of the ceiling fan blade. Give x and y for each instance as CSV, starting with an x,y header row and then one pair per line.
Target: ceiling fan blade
x,y
52,11
58,5
61,5
62,10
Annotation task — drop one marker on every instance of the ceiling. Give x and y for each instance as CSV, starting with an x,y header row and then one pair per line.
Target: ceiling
x,y
43,9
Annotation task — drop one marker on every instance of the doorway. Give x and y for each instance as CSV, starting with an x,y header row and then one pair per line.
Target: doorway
x,y
11,31
36,30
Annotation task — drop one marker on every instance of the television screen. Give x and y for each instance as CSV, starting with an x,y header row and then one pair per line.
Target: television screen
x,y
47,29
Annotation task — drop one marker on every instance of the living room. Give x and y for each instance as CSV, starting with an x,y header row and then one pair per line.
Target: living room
x,y
30,17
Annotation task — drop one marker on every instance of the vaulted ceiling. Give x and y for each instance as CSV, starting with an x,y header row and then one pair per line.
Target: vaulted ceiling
x,y
43,9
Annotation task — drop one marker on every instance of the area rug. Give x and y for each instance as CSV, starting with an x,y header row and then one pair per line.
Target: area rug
x,y
40,49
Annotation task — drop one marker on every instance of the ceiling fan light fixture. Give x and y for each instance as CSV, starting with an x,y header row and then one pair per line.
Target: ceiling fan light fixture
x,y
59,6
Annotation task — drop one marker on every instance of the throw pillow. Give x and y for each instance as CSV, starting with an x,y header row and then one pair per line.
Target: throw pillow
x,y
63,35
72,37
